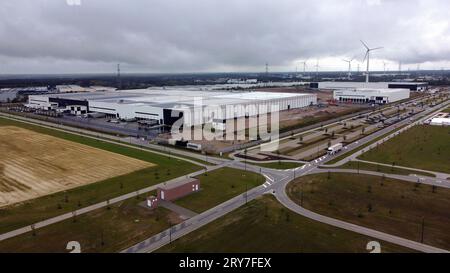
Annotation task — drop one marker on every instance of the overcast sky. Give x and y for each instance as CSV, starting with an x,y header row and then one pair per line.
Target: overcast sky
x,y
51,36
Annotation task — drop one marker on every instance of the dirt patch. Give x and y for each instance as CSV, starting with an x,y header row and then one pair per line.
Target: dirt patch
x,y
34,164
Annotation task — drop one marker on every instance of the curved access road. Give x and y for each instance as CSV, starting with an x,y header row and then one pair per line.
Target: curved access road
x,y
283,198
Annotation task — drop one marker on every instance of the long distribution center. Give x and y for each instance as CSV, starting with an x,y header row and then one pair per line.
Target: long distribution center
x,y
168,106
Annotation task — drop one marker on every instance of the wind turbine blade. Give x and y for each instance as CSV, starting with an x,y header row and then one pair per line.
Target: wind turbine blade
x,y
376,48
365,56
364,44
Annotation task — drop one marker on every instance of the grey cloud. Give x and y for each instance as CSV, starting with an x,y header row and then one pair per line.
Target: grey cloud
x,y
212,35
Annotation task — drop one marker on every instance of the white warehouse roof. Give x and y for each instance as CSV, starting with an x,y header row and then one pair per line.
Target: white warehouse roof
x,y
159,104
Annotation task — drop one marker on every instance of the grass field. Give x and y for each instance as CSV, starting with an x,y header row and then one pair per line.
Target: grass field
x,y
219,186
119,227
346,154
354,165
264,225
35,164
58,203
388,205
422,147
278,165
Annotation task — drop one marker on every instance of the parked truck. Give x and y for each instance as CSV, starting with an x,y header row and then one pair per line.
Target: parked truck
x,y
333,149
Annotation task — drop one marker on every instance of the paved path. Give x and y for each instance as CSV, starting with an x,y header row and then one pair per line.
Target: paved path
x,y
419,118
432,181
438,175
198,221
127,142
99,205
276,181
288,203
184,213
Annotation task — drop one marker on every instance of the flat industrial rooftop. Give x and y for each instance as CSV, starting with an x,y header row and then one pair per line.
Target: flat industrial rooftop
x,y
171,97
34,165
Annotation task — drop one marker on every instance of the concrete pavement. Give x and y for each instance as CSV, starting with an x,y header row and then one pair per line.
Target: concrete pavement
x,y
99,205
288,203
276,180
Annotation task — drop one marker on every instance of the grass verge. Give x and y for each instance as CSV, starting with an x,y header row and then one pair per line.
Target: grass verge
x,y
278,165
219,186
265,226
355,165
103,230
388,205
424,147
31,211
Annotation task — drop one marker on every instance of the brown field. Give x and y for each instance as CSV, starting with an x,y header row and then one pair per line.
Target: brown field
x,y
34,164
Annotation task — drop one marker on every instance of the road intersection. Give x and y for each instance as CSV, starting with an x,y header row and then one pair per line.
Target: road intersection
x,y
276,182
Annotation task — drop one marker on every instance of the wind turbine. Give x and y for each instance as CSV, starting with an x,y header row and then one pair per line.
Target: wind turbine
x,y
368,57
304,66
384,67
349,67
317,69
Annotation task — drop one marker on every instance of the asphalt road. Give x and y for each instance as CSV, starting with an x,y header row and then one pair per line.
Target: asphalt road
x,y
276,181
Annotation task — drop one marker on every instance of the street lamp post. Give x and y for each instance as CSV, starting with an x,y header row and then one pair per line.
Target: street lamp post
x,y
301,198
423,227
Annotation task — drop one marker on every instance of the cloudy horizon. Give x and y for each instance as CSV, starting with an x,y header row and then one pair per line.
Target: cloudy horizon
x,y
168,36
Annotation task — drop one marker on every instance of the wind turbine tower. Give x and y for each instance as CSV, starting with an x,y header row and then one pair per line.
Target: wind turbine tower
x,y
304,66
368,58
317,69
349,75
119,81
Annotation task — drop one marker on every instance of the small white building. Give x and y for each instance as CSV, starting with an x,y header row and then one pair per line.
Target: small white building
x,y
370,95
412,86
440,121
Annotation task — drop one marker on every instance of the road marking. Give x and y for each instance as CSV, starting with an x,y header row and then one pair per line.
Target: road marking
x,y
268,177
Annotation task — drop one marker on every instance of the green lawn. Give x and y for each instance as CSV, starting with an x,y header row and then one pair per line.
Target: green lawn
x,y
121,226
219,186
422,147
278,165
29,212
346,154
265,226
392,206
354,165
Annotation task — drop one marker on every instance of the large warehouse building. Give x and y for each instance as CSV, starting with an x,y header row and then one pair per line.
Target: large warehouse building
x,y
168,106
412,86
367,95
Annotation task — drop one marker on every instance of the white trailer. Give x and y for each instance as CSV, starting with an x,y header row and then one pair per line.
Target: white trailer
x,y
194,146
333,149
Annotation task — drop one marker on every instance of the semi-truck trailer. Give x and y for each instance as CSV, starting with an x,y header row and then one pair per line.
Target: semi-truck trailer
x,y
333,149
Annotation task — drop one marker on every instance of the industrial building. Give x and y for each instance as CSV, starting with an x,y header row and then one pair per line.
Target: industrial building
x,y
174,191
441,119
168,106
412,86
374,96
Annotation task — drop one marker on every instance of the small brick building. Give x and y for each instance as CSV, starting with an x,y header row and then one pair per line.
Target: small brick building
x,y
177,190
174,191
